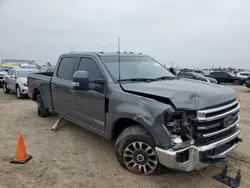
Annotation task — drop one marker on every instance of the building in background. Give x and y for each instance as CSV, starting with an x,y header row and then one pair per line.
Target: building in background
x,y
9,63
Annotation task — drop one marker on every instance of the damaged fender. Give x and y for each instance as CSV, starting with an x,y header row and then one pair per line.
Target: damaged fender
x,y
147,112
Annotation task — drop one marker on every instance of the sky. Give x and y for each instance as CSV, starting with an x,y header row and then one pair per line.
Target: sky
x,y
184,33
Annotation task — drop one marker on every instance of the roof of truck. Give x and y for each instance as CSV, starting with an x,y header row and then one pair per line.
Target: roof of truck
x,y
105,53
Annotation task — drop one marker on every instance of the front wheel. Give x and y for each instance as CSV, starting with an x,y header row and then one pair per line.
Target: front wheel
x,y
135,151
19,94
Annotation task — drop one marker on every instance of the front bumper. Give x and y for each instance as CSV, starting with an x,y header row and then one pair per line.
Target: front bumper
x,y
24,89
1,81
197,156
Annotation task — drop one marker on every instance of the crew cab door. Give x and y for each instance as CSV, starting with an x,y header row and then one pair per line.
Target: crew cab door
x,y
62,86
89,105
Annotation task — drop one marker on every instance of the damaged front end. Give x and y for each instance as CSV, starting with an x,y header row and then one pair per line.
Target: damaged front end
x,y
199,138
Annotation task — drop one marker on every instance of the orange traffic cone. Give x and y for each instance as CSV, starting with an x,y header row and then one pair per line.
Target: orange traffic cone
x,y
238,96
21,155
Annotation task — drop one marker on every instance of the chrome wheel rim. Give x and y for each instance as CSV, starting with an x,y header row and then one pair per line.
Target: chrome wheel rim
x,y
140,158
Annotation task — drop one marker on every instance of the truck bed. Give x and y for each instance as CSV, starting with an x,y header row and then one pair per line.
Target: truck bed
x,y
41,82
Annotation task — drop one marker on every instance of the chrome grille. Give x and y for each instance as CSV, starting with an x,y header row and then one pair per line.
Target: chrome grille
x,y
220,120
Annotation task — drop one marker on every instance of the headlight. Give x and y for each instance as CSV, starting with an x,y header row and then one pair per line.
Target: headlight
x,y
180,127
24,83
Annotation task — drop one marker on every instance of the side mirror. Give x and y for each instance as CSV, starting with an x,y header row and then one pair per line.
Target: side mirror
x,y
81,80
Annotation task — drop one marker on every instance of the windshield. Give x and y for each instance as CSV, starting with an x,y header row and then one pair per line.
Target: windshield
x,y
135,67
25,73
2,69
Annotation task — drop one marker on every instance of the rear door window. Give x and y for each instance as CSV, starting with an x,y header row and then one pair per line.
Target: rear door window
x,y
66,68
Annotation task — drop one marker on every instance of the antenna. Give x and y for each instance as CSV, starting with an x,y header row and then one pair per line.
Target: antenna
x,y
119,60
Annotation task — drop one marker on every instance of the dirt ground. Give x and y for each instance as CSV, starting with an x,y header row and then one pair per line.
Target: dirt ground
x,y
74,157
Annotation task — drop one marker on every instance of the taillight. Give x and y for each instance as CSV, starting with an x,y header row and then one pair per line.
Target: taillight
x,y
28,80
248,77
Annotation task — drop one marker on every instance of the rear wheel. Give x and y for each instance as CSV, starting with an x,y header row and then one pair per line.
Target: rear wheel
x,y
41,110
237,82
5,89
135,151
19,94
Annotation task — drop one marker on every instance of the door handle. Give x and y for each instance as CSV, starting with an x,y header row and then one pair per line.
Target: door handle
x,y
53,85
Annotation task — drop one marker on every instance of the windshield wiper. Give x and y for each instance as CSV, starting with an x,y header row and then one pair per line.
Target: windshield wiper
x,y
138,79
164,78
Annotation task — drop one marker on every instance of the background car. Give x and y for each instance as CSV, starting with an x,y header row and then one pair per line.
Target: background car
x,y
47,69
204,73
243,74
227,77
16,80
2,74
196,76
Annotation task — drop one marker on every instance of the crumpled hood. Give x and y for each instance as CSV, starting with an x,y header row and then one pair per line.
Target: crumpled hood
x,y
185,93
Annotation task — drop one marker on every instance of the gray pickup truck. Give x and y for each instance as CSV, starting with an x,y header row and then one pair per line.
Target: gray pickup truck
x,y
153,117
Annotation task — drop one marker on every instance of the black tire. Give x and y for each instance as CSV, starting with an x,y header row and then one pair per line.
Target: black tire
x,y
5,89
19,95
237,82
41,110
136,144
